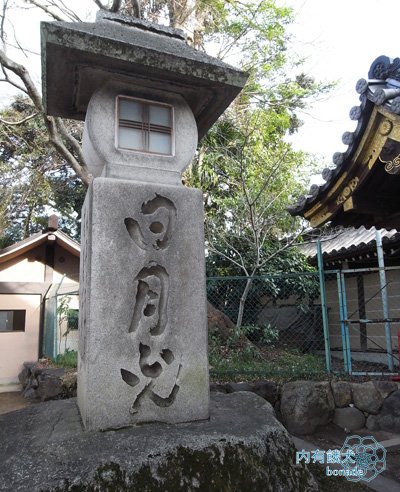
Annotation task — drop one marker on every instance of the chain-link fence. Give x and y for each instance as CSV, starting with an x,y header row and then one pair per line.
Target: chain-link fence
x,y
265,326
292,325
306,324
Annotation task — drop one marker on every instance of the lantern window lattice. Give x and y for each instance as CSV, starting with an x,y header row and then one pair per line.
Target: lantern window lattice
x,y
145,126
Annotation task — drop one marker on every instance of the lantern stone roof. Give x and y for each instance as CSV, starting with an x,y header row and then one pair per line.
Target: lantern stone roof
x,y
362,187
79,57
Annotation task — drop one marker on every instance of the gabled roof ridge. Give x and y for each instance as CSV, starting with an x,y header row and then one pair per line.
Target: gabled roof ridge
x,y
38,238
31,239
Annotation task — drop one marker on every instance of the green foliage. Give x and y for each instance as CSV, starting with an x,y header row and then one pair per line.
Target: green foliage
x,y
248,172
34,182
72,319
68,359
238,358
265,335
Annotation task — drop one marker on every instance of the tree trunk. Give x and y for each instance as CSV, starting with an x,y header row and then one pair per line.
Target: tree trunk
x,y
242,302
27,224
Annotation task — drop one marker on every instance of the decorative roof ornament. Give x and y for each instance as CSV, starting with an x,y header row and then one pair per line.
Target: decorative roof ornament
x,y
371,160
384,68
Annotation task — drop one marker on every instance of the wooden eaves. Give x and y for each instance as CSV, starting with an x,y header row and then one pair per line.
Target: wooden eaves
x,y
363,189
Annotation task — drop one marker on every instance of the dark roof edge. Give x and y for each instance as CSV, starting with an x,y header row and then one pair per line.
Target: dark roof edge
x,y
382,89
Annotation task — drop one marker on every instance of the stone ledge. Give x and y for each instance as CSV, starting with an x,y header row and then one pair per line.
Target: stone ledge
x,y
241,447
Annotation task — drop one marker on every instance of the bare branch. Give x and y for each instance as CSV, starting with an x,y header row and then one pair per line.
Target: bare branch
x,y
116,5
46,9
23,74
136,8
70,13
3,19
71,140
24,50
215,250
20,122
100,5
290,243
220,253
56,135
11,82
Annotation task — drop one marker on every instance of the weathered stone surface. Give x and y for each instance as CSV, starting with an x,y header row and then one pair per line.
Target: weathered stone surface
x,y
389,416
47,383
385,388
79,57
268,390
372,423
24,375
341,391
143,319
366,397
349,418
105,158
305,405
232,387
220,388
241,448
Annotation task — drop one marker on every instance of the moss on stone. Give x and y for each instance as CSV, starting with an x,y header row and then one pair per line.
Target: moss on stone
x,y
225,468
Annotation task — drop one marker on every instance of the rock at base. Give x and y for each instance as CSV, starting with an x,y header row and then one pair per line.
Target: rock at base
x,y
389,417
366,397
385,388
40,382
305,405
341,393
349,418
372,423
241,447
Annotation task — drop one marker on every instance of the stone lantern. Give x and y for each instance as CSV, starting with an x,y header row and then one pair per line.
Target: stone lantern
x,y
146,98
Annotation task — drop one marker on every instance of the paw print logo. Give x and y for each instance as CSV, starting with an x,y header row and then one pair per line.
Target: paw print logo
x,y
363,458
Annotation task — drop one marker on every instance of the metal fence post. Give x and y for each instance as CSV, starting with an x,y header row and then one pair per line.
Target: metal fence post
x,y
324,308
56,317
343,322
385,306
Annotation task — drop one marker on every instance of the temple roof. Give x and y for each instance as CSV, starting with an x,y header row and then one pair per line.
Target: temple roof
x,y
362,187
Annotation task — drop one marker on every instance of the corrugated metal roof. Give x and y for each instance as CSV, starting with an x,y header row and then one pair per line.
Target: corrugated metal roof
x,y
348,240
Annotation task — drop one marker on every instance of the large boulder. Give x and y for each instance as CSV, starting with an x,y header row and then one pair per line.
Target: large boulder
x,y
40,382
389,417
234,387
366,397
385,388
341,391
219,322
305,405
49,385
349,418
268,390
241,447
372,423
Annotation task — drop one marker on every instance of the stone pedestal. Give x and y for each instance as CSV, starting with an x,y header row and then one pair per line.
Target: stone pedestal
x,y
241,448
143,333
